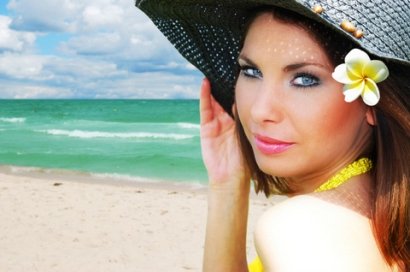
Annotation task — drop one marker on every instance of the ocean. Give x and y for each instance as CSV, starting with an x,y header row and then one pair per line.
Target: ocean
x,y
134,139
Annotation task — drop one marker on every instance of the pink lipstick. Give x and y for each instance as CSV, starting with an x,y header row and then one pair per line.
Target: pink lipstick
x,y
270,146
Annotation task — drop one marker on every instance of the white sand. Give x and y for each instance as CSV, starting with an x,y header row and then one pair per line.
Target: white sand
x,y
99,226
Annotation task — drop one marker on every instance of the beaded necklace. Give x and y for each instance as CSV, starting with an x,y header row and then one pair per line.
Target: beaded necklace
x,y
356,168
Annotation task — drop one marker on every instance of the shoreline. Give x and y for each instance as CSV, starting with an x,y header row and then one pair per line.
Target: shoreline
x,y
99,178
77,176
67,223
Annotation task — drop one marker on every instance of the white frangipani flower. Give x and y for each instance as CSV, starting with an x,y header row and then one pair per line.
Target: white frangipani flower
x,y
360,75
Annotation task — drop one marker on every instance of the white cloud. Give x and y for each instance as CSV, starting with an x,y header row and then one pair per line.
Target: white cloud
x,y
11,40
45,68
157,85
69,15
82,69
45,15
34,76
102,16
21,66
95,44
113,51
29,91
115,28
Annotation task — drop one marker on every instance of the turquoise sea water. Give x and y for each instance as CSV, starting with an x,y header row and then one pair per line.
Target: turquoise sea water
x,y
154,139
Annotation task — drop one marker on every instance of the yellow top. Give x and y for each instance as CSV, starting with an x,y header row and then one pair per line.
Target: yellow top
x,y
356,168
255,265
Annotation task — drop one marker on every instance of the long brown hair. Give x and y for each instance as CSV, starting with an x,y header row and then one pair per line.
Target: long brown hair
x,y
390,151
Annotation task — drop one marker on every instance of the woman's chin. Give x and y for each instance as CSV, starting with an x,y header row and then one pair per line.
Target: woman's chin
x,y
275,165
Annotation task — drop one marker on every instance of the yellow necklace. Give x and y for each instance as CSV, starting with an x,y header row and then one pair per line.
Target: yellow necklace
x,y
356,168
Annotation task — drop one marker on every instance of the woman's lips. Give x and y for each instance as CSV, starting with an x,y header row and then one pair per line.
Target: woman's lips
x,y
271,146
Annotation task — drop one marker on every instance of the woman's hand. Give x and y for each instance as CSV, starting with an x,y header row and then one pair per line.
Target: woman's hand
x,y
225,243
220,147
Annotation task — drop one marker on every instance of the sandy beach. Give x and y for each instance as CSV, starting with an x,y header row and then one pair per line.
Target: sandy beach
x,y
67,223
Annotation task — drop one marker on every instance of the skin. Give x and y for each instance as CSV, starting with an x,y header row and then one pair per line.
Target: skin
x,y
293,98
326,133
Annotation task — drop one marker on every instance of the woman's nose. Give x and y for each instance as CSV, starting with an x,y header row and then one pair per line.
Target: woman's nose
x,y
267,106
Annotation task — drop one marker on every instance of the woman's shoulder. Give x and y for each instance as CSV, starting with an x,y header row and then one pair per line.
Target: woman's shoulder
x,y
306,232
312,206
308,214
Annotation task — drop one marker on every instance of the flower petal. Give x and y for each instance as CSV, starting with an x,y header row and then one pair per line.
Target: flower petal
x,y
353,91
376,70
357,55
340,74
371,94
356,60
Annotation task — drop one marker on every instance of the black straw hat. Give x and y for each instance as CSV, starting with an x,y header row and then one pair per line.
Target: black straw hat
x,y
208,33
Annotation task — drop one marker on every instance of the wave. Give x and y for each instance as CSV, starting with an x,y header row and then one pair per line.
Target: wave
x,y
123,135
12,119
103,123
188,125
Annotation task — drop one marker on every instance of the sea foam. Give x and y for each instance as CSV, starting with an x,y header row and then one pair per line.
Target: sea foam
x,y
124,135
12,119
188,125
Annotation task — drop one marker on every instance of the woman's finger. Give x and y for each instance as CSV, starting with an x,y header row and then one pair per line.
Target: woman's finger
x,y
205,102
217,108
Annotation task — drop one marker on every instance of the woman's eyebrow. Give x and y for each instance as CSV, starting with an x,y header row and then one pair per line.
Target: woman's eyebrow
x,y
287,68
295,66
247,60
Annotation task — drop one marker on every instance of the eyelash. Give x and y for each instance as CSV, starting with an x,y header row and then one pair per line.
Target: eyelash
x,y
244,70
315,79
245,73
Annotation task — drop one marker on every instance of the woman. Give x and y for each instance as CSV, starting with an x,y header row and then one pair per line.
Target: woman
x,y
315,119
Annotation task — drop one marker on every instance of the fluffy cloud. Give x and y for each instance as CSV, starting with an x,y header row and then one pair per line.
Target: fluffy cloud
x,y
96,44
21,66
112,50
45,15
11,40
21,90
96,16
110,27
34,76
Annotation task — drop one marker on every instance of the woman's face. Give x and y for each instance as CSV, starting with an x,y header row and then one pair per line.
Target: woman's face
x,y
293,112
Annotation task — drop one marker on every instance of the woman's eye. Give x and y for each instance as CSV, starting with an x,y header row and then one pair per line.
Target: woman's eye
x,y
305,80
251,72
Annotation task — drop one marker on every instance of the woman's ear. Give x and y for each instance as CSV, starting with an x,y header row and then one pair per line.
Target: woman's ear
x,y
234,113
370,116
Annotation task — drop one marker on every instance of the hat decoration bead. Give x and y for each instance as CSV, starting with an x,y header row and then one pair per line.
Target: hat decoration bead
x,y
358,33
348,26
318,9
351,28
345,24
359,74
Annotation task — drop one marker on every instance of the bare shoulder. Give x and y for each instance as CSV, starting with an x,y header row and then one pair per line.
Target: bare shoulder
x,y
305,233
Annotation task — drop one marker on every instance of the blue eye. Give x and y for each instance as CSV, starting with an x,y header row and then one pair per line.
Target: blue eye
x,y
251,72
304,80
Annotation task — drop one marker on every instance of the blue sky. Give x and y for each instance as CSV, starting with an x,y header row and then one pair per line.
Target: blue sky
x,y
88,49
